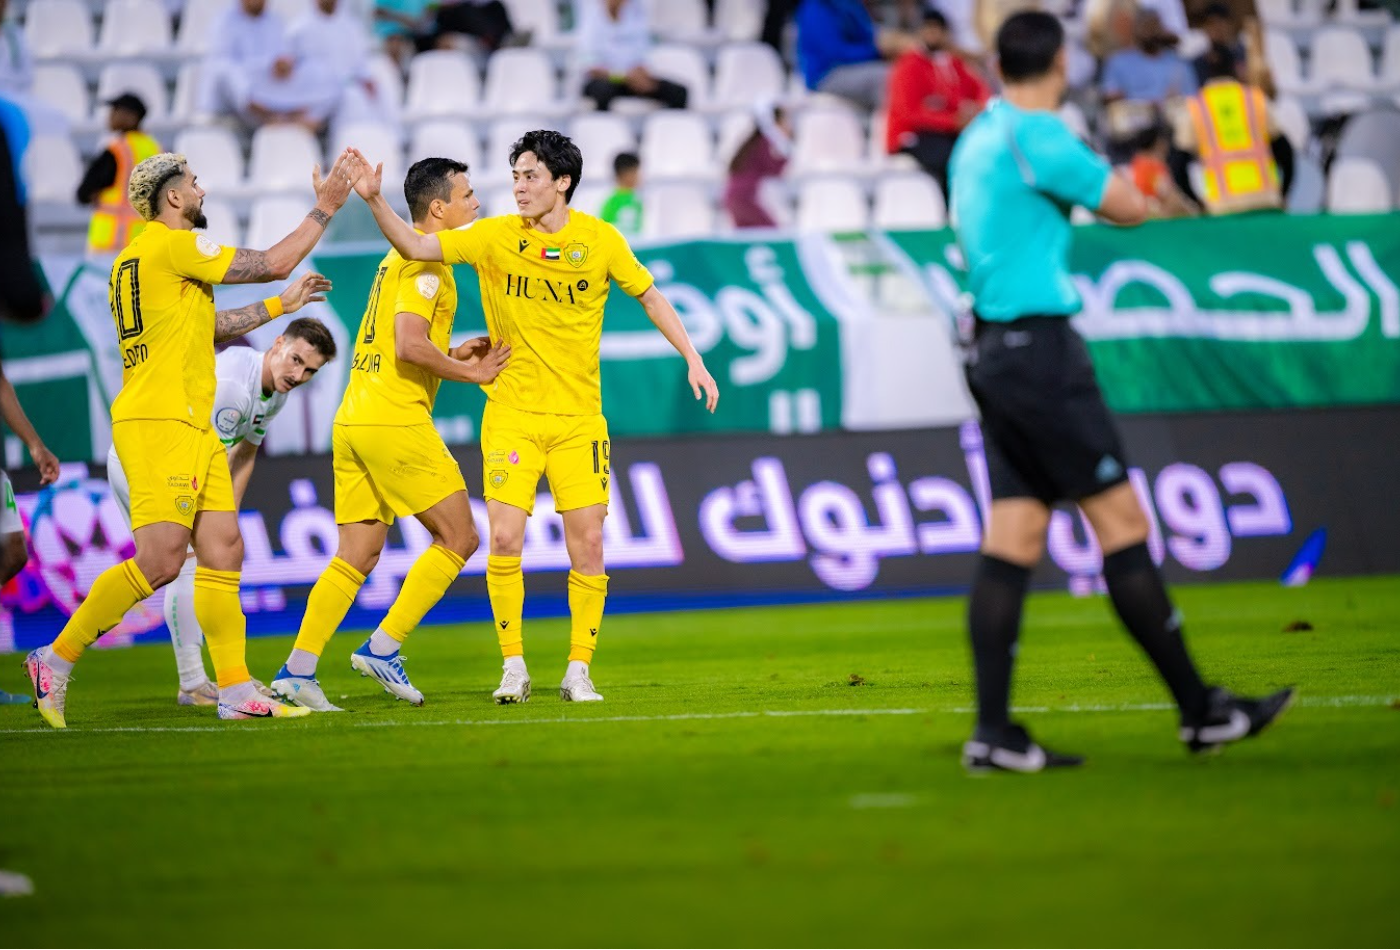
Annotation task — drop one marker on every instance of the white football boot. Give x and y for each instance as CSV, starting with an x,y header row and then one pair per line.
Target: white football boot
x,y
514,688
50,688
205,694
388,670
302,691
578,688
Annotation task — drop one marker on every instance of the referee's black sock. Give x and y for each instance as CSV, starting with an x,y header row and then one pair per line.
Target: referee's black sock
x,y
1139,597
994,621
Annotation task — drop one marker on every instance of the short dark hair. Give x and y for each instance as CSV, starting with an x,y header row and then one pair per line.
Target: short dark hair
x,y
314,332
626,162
935,16
556,151
1217,11
1219,62
430,180
1027,43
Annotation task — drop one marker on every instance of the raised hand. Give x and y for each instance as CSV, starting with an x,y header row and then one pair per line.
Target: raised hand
x,y
370,178
308,288
334,190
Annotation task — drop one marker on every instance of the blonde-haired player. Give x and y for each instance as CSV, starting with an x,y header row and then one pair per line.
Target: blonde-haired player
x,y
162,302
390,460
545,275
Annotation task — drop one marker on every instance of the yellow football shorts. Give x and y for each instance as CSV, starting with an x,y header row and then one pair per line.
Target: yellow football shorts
x,y
173,470
383,471
517,447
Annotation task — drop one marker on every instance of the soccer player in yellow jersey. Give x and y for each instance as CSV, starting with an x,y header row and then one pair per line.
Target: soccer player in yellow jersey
x,y
162,302
389,459
544,277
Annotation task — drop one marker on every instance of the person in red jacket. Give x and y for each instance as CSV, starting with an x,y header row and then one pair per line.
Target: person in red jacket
x,y
933,93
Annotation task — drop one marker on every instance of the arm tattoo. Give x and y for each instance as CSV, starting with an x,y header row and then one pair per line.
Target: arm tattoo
x,y
320,217
248,267
232,324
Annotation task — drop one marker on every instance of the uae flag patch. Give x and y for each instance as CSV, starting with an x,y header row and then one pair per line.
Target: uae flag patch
x,y
549,253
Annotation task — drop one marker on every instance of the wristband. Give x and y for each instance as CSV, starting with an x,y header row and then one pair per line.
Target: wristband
x,y
274,307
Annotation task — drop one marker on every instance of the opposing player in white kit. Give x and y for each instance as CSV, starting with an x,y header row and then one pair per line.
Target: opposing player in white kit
x,y
252,388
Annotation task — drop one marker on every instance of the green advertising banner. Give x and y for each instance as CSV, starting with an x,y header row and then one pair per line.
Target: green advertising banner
x,y
1251,312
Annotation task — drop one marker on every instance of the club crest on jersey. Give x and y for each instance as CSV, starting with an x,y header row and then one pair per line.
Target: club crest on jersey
x,y
549,253
498,477
427,285
576,253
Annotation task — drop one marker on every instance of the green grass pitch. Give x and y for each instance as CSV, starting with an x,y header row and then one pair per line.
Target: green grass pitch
x,y
784,776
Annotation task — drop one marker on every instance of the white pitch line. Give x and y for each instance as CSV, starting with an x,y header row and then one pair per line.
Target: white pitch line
x,y
1317,702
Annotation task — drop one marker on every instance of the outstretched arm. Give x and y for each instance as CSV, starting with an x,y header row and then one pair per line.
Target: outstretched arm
x,y
664,315
411,245
278,262
232,324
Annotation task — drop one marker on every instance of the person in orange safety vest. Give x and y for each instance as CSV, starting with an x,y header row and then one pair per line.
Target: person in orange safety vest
x,y
114,222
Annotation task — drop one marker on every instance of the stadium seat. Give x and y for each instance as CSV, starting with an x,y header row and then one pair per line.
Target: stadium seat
x,y
141,78
196,21
1340,58
62,86
441,83
832,204
734,130
134,28
1285,64
1375,136
600,136
52,168
185,102
1308,190
1358,186
746,73
678,210
497,201
215,156
502,135
223,222
1293,121
1348,13
289,10
444,138
58,28
1285,13
272,219
541,18
909,201
378,142
685,65
677,144
679,20
876,156
827,141
590,197
281,159
522,81
388,84
738,21
1388,72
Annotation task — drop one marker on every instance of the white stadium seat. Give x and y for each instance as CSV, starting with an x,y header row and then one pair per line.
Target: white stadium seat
x,y
58,28
680,20
909,201
1286,13
1285,63
214,156
1388,74
223,222
677,210
446,138
1358,186
827,140
1308,190
684,65
282,158
134,28
590,197
500,138
143,79
1340,58
746,73
272,219
540,17
1293,121
677,144
831,204
388,84
62,87
196,22
378,142
289,10
185,102
522,81
52,168
734,130
738,21
441,83
600,136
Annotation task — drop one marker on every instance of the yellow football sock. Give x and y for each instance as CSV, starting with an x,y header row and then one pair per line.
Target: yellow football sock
x,y
327,605
427,580
116,590
586,597
220,615
505,585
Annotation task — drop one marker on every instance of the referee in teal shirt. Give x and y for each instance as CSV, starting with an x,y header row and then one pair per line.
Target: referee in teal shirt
x,y
1016,173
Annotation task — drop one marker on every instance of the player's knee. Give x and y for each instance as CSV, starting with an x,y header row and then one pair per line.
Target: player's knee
x,y
161,569
460,540
589,551
506,541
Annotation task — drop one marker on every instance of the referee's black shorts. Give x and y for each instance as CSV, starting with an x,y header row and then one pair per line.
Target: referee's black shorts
x,y
1046,431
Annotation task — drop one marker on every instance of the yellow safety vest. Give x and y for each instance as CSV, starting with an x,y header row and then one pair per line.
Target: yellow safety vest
x,y
1231,122
115,222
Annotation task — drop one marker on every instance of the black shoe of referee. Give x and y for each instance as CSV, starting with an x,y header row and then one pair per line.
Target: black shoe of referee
x,y
1010,749
1229,718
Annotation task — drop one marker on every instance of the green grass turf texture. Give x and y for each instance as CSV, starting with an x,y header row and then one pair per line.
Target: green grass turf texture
x,y
466,824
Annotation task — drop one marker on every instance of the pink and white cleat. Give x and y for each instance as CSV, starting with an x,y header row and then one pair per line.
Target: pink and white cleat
x,y
50,688
260,707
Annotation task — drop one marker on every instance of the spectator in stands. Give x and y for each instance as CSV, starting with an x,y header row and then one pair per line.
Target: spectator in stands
x,y
623,209
1152,70
614,37
933,93
404,26
759,160
840,52
1246,162
331,77
114,222
1149,173
246,47
1226,48
487,21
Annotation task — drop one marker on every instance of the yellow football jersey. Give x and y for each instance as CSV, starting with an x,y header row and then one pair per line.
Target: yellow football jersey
x,y
382,390
162,301
543,294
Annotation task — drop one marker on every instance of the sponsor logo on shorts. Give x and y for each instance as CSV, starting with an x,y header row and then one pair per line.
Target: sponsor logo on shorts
x,y
184,504
576,253
514,458
495,458
181,483
498,477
